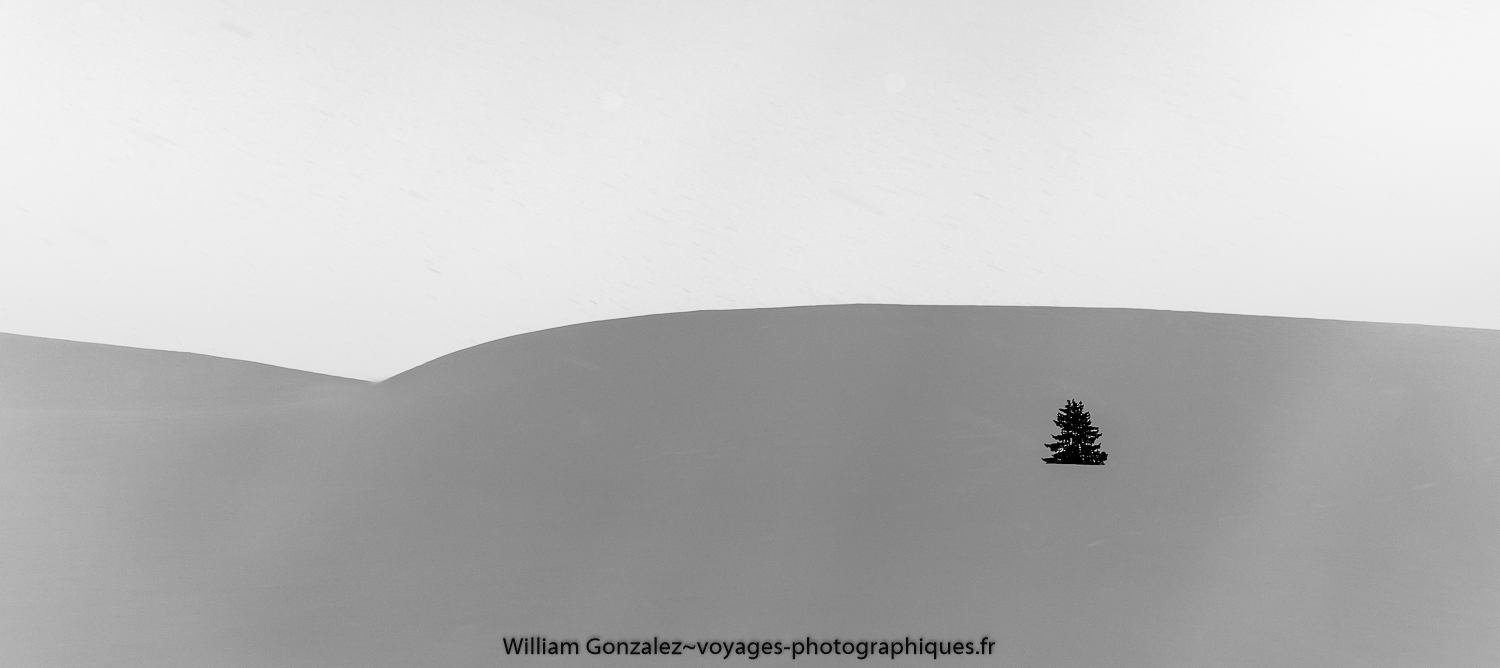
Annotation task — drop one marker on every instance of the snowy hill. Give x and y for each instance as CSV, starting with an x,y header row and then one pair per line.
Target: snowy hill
x,y
1279,492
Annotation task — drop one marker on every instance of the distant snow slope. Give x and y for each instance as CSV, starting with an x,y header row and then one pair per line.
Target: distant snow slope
x,y
1279,493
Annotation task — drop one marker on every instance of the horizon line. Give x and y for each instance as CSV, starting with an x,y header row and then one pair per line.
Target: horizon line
x,y
757,308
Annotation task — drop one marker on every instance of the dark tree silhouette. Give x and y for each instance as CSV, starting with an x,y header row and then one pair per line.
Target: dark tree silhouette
x,y
1077,443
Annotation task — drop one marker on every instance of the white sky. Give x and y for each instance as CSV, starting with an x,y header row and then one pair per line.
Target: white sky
x,y
356,187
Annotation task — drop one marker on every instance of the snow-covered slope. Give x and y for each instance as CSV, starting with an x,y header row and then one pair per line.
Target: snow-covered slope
x,y
126,475
1279,492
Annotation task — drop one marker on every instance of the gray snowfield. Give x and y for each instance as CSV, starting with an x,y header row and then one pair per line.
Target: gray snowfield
x,y
1279,492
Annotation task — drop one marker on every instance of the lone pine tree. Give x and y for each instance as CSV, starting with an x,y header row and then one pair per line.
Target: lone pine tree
x,y
1077,443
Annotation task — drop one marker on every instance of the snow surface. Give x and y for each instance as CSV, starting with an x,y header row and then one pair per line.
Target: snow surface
x,y
1279,492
